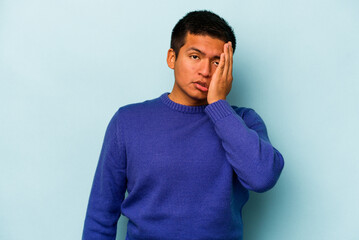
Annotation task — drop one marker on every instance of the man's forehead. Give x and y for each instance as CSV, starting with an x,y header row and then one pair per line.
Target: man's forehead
x,y
204,44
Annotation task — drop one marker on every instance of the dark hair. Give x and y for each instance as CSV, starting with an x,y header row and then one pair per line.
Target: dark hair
x,y
201,23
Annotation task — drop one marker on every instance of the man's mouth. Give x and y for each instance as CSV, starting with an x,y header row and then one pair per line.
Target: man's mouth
x,y
202,86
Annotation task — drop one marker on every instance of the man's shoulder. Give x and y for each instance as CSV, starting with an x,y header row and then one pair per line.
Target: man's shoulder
x,y
139,106
242,111
138,109
249,115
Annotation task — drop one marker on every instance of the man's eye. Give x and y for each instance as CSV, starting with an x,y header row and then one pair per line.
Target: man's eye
x,y
216,63
194,57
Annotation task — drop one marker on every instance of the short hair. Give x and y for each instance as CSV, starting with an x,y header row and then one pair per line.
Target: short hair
x,y
201,23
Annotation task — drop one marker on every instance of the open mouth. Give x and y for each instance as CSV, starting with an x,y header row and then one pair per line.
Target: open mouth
x,y
202,86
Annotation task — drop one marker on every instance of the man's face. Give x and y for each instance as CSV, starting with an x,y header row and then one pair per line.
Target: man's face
x,y
194,66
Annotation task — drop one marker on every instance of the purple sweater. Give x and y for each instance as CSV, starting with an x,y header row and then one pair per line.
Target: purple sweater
x,y
187,171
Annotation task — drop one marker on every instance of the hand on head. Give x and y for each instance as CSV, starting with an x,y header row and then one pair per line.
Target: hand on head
x,y
221,82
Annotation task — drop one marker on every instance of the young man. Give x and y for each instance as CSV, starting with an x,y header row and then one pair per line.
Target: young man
x,y
187,159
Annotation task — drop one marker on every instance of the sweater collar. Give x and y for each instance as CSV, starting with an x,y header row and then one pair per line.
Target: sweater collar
x,y
181,108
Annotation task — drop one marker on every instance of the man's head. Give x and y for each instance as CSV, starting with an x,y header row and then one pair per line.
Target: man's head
x,y
203,23
198,41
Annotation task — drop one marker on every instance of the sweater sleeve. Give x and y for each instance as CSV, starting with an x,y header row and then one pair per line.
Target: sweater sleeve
x,y
255,161
108,188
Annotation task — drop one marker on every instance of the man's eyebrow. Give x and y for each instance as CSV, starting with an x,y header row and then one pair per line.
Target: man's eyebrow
x,y
195,49
199,51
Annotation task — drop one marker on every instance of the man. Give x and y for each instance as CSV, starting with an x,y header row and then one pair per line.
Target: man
x,y
187,159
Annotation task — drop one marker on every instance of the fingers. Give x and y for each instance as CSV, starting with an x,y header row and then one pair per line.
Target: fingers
x,y
230,60
225,66
226,60
221,64
221,81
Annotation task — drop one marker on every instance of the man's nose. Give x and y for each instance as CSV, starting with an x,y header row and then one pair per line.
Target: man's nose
x,y
205,68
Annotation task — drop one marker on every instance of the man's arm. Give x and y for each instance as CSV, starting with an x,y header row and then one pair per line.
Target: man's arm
x,y
108,188
255,161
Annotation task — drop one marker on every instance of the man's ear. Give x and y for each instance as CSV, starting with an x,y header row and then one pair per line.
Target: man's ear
x,y
171,58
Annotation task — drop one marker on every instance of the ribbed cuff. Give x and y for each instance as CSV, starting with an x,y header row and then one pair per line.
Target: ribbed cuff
x,y
218,110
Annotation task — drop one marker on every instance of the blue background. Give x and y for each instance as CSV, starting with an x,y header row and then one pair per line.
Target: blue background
x,y
67,66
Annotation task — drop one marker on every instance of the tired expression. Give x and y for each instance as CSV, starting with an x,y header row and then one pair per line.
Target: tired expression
x,y
194,66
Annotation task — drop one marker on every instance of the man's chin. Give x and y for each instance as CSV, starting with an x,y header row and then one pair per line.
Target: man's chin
x,y
199,99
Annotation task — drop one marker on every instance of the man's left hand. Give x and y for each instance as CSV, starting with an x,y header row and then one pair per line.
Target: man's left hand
x,y
221,82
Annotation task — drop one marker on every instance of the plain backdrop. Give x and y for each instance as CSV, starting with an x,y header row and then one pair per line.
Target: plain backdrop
x,y
67,66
